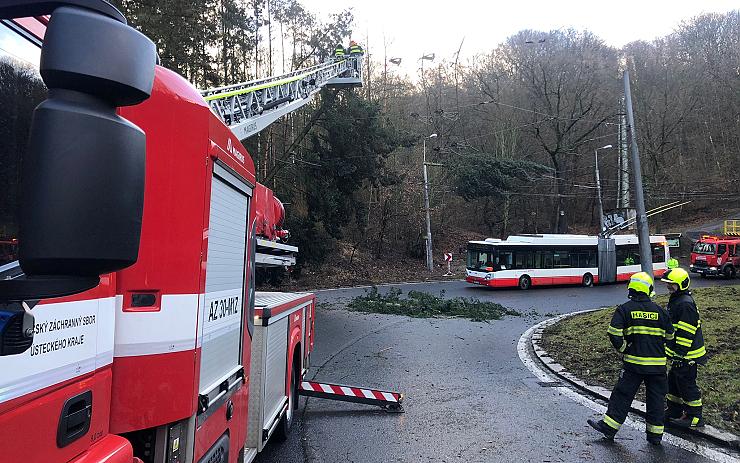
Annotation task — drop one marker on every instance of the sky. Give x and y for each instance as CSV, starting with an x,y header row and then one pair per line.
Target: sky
x,y
412,28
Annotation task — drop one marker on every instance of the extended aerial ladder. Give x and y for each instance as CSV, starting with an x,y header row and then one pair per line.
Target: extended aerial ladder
x,y
249,107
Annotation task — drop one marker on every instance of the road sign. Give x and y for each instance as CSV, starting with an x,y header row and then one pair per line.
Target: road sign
x,y
673,240
614,218
448,257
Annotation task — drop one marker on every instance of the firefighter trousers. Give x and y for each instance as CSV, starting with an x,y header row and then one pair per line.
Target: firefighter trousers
x,y
623,394
683,393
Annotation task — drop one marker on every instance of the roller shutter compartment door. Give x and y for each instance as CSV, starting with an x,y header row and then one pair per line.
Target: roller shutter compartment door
x,y
222,314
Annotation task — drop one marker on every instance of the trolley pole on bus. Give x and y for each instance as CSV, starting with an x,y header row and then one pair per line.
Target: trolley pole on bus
x,y
430,263
646,257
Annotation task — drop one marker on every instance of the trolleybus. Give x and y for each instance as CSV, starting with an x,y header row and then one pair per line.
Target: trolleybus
x,y
538,260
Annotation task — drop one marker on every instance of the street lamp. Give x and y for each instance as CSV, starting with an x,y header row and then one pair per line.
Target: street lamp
x,y
598,188
425,57
426,206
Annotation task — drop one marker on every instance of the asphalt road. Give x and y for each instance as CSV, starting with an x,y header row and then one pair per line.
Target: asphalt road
x,y
468,396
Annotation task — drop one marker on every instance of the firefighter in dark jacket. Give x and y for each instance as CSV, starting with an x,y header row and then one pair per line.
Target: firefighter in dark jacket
x,y
686,351
355,49
639,330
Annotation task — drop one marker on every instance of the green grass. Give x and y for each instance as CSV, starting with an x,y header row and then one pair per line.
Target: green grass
x,y
581,345
424,305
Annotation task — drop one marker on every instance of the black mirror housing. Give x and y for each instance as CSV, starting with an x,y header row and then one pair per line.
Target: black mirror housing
x,y
83,173
16,329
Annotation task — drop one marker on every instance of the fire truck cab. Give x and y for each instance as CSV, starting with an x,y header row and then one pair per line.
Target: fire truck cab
x,y
716,255
128,306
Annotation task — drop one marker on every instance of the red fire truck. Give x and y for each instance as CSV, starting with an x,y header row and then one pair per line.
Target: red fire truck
x,y
716,255
130,329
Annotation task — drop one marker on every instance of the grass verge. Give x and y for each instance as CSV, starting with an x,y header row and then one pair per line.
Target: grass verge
x,y
424,305
581,345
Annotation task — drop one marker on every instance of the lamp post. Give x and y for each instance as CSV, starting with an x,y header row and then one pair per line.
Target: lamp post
x,y
598,188
429,260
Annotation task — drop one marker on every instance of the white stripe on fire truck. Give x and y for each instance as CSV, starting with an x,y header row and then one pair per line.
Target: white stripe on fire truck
x,y
48,378
71,339
368,394
171,329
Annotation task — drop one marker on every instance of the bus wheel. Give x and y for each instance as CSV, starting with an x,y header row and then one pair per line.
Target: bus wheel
x,y
588,280
525,282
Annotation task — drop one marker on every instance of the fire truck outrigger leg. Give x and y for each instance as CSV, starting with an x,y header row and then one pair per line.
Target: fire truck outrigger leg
x,y
390,401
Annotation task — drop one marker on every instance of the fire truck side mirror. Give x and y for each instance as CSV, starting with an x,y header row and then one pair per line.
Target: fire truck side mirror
x,y
16,328
83,173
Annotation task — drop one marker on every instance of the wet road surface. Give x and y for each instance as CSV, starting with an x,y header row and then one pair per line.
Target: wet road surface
x,y
468,396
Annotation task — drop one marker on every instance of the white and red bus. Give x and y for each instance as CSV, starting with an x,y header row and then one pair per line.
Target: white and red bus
x,y
538,260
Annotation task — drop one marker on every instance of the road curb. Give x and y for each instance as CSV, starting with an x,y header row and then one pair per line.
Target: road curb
x,y
711,433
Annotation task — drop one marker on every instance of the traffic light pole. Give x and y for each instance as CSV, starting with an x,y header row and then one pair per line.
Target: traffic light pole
x,y
643,233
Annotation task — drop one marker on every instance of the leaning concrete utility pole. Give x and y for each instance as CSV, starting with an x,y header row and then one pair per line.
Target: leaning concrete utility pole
x,y
430,263
643,233
623,201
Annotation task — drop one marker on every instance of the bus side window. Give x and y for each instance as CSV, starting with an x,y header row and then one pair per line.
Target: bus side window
x,y
547,259
561,259
658,253
504,260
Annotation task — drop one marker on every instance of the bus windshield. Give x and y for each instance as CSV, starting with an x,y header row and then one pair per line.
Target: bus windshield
x,y
480,259
704,248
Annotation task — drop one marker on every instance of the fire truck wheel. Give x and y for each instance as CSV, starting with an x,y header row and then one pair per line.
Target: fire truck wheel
x,y
286,422
525,282
728,272
588,280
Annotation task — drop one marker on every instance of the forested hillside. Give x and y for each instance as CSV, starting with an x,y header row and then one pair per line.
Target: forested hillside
x,y
517,126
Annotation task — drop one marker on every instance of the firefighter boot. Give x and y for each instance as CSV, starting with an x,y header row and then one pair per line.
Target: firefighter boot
x,y
674,410
689,422
603,428
654,439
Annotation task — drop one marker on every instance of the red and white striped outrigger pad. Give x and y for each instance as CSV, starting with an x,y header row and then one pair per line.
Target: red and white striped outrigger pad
x,y
348,393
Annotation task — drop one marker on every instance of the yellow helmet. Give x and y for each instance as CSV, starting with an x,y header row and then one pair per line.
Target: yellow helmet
x,y
642,283
677,276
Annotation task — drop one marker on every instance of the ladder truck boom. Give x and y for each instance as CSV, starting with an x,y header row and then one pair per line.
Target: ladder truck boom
x,y
248,107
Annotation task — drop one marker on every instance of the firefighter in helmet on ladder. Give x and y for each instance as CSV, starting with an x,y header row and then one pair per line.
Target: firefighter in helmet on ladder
x,y
639,329
339,52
